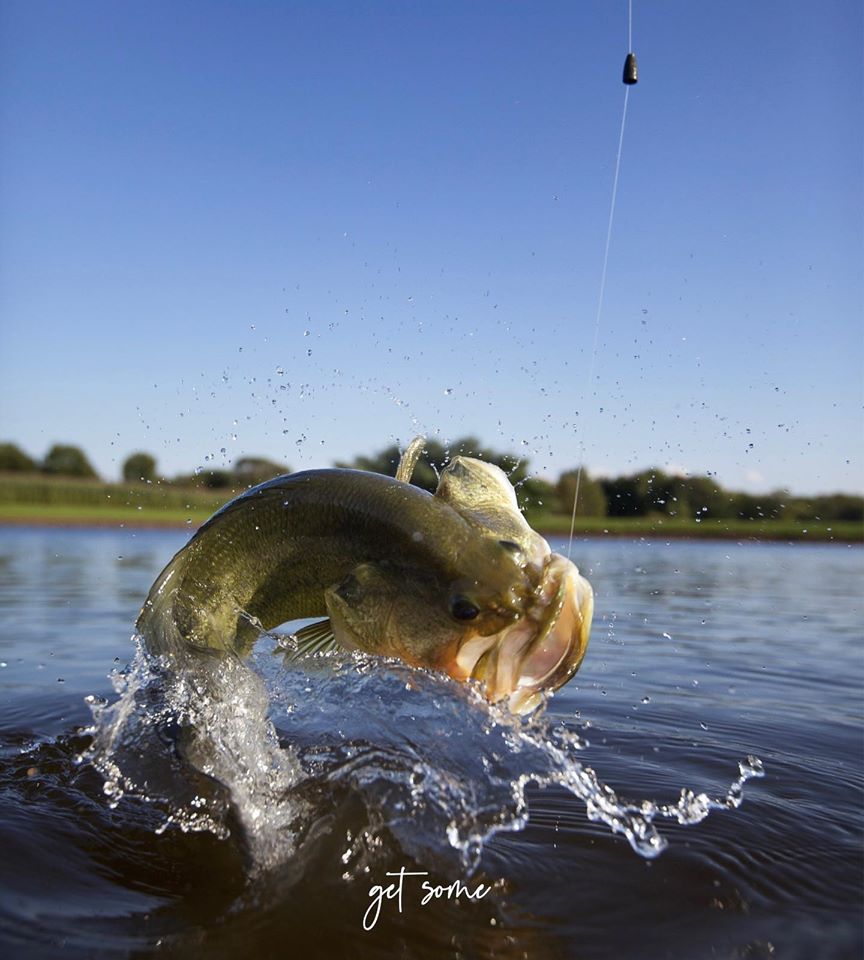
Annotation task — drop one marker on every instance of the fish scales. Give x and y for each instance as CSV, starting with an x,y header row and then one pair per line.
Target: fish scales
x,y
455,581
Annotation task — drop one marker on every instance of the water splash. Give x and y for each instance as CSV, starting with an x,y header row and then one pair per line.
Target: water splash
x,y
195,740
267,745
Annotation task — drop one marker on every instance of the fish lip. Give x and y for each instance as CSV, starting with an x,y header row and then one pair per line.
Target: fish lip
x,y
565,631
543,649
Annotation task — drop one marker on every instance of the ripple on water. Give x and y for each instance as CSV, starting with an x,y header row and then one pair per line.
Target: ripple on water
x,y
340,774
359,792
412,754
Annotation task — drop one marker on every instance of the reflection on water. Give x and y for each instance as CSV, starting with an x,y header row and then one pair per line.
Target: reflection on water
x,y
702,654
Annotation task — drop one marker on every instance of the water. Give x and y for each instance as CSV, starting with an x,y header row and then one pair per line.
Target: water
x,y
264,832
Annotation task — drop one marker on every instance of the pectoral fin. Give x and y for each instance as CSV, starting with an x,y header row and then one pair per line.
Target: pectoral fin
x,y
314,638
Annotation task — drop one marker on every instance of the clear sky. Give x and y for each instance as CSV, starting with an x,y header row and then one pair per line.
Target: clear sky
x,y
306,229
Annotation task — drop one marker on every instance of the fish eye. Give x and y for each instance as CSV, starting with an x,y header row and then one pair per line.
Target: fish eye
x,y
461,608
349,589
510,545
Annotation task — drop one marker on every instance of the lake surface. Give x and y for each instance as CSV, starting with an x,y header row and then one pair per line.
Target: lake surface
x,y
324,780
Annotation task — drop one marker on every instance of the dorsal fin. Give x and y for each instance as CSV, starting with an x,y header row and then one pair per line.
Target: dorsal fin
x,y
408,460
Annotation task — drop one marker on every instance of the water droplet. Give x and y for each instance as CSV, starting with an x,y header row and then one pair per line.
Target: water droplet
x,y
751,767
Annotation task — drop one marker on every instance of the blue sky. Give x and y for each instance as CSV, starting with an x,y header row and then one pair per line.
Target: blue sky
x,y
303,230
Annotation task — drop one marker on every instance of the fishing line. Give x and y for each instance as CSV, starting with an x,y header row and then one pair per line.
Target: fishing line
x,y
629,26
630,77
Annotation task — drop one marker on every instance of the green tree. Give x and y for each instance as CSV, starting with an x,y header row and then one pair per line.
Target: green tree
x,y
701,496
536,495
629,496
384,461
216,479
841,506
829,506
14,458
592,499
139,466
250,471
759,506
64,460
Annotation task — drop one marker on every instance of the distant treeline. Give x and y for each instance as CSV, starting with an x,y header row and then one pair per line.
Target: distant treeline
x,y
650,492
65,460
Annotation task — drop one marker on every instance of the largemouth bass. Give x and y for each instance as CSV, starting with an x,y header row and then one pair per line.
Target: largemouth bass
x,y
455,581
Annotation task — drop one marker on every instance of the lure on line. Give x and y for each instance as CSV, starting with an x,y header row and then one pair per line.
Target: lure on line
x,y
630,77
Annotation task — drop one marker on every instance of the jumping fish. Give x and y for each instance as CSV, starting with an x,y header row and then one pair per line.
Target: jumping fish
x,y
453,581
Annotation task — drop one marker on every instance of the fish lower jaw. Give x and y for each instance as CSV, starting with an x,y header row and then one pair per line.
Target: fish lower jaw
x,y
540,651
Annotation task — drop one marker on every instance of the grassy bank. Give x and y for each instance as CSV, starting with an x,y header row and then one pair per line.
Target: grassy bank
x,y
672,527
38,499
74,515
34,499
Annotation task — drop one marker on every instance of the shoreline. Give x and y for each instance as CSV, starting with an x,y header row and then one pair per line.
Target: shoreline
x,y
99,523
646,533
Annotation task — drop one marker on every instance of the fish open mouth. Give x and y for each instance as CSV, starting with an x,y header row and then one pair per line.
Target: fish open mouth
x,y
543,649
